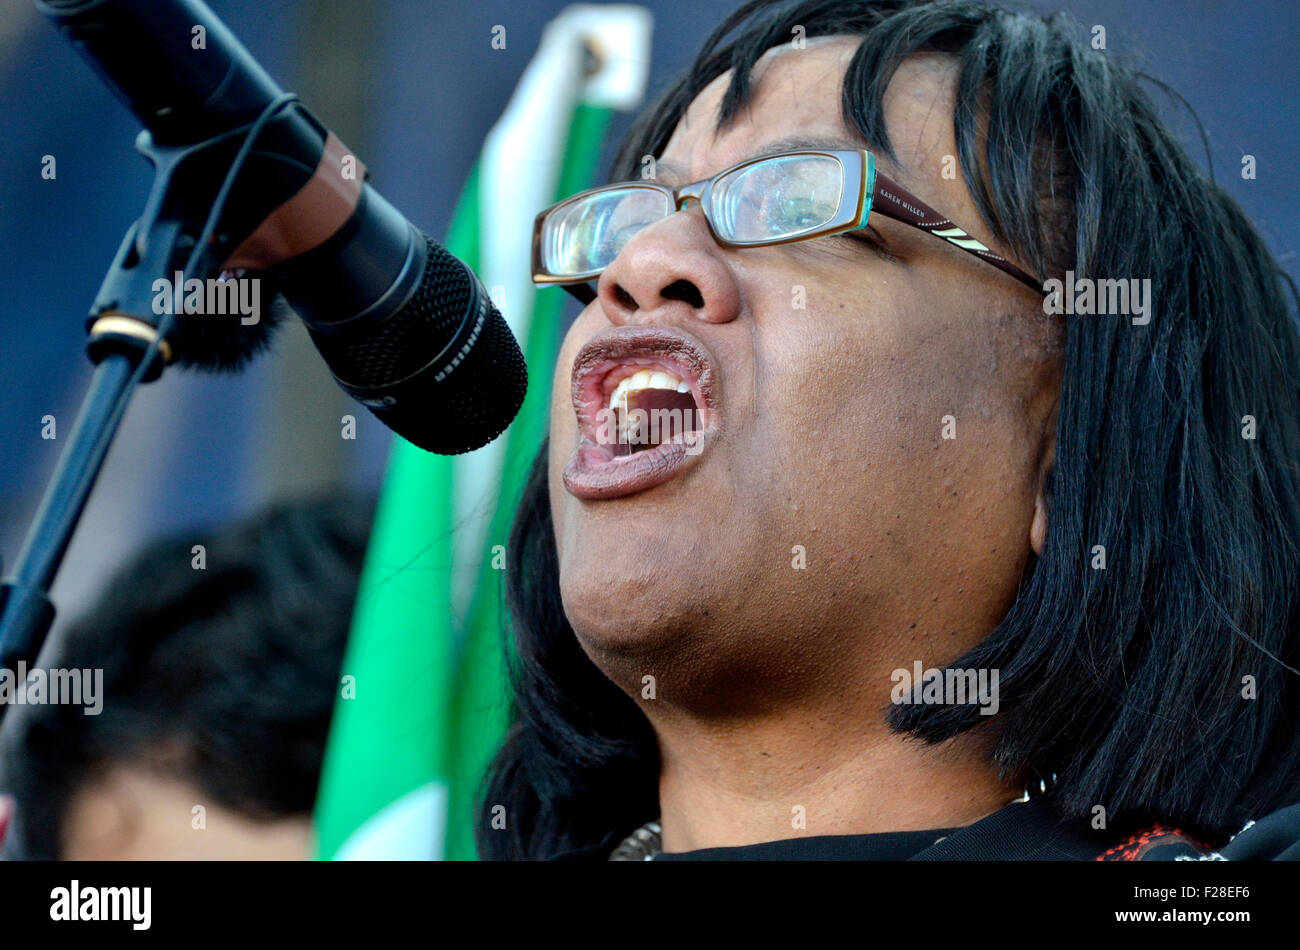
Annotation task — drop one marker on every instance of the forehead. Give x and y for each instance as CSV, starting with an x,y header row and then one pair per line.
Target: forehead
x,y
795,102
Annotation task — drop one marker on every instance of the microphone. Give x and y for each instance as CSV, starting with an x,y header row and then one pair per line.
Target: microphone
x,y
405,327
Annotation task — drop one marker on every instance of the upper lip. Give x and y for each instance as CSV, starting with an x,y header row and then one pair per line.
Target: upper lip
x,y
674,350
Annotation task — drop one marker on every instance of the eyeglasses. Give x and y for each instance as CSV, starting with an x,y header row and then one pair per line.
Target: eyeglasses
x,y
776,199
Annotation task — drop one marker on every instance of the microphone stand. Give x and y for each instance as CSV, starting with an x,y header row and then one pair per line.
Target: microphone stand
x,y
127,343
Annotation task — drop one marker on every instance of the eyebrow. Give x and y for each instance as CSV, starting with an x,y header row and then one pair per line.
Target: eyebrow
x,y
790,143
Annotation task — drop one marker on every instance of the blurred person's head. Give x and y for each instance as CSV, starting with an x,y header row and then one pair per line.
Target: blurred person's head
x,y
826,435
218,686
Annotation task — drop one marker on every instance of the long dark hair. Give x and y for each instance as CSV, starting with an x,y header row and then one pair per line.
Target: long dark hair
x,y
1163,685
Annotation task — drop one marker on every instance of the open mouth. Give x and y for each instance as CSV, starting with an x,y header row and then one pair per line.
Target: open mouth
x,y
646,408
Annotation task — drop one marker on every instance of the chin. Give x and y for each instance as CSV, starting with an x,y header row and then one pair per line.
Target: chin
x,y
632,622
619,610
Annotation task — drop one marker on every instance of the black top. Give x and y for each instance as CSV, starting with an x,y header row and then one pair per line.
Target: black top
x,y
889,846
1022,831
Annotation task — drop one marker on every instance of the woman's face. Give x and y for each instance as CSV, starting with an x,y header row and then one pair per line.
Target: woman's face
x,y
827,531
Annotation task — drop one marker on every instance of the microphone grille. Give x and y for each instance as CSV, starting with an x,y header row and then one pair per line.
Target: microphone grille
x,y
474,401
411,337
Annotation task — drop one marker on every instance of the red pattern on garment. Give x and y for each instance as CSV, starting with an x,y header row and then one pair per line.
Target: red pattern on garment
x,y
1136,845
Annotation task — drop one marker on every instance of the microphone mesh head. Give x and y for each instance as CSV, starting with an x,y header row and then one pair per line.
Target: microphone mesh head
x,y
394,362
380,355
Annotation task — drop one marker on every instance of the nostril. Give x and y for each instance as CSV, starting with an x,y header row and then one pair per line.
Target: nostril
x,y
624,298
684,290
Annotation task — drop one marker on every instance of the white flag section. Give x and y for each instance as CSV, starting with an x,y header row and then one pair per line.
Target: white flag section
x,y
412,828
589,55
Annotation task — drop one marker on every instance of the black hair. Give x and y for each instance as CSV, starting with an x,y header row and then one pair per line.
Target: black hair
x,y
1130,684
223,676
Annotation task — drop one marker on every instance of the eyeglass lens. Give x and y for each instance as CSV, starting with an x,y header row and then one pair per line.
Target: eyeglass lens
x,y
767,201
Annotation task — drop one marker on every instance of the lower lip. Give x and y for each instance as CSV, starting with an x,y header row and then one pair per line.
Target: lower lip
x,y
594,473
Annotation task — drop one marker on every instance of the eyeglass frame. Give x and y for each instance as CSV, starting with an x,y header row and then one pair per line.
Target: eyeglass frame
x,y
860,177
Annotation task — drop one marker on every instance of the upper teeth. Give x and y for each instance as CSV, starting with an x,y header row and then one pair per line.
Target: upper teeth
x,y
645,379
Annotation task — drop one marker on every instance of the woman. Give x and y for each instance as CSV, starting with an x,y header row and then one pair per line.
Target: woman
x,y
938,559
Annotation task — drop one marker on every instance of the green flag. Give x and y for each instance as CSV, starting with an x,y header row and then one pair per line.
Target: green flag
x,y
422,703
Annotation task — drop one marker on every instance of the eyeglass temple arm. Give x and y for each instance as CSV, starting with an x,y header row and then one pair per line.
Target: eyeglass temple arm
x,y
898,203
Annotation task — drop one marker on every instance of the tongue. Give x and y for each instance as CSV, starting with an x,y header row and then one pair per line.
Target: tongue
x,y
667,413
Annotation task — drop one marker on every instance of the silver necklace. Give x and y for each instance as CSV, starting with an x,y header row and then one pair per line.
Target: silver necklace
x,y
641,845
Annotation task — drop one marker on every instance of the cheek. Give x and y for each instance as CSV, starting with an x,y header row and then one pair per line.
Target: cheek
x,y
852,412
828,398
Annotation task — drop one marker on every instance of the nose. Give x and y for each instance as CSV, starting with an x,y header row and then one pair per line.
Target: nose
x,y
671,267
